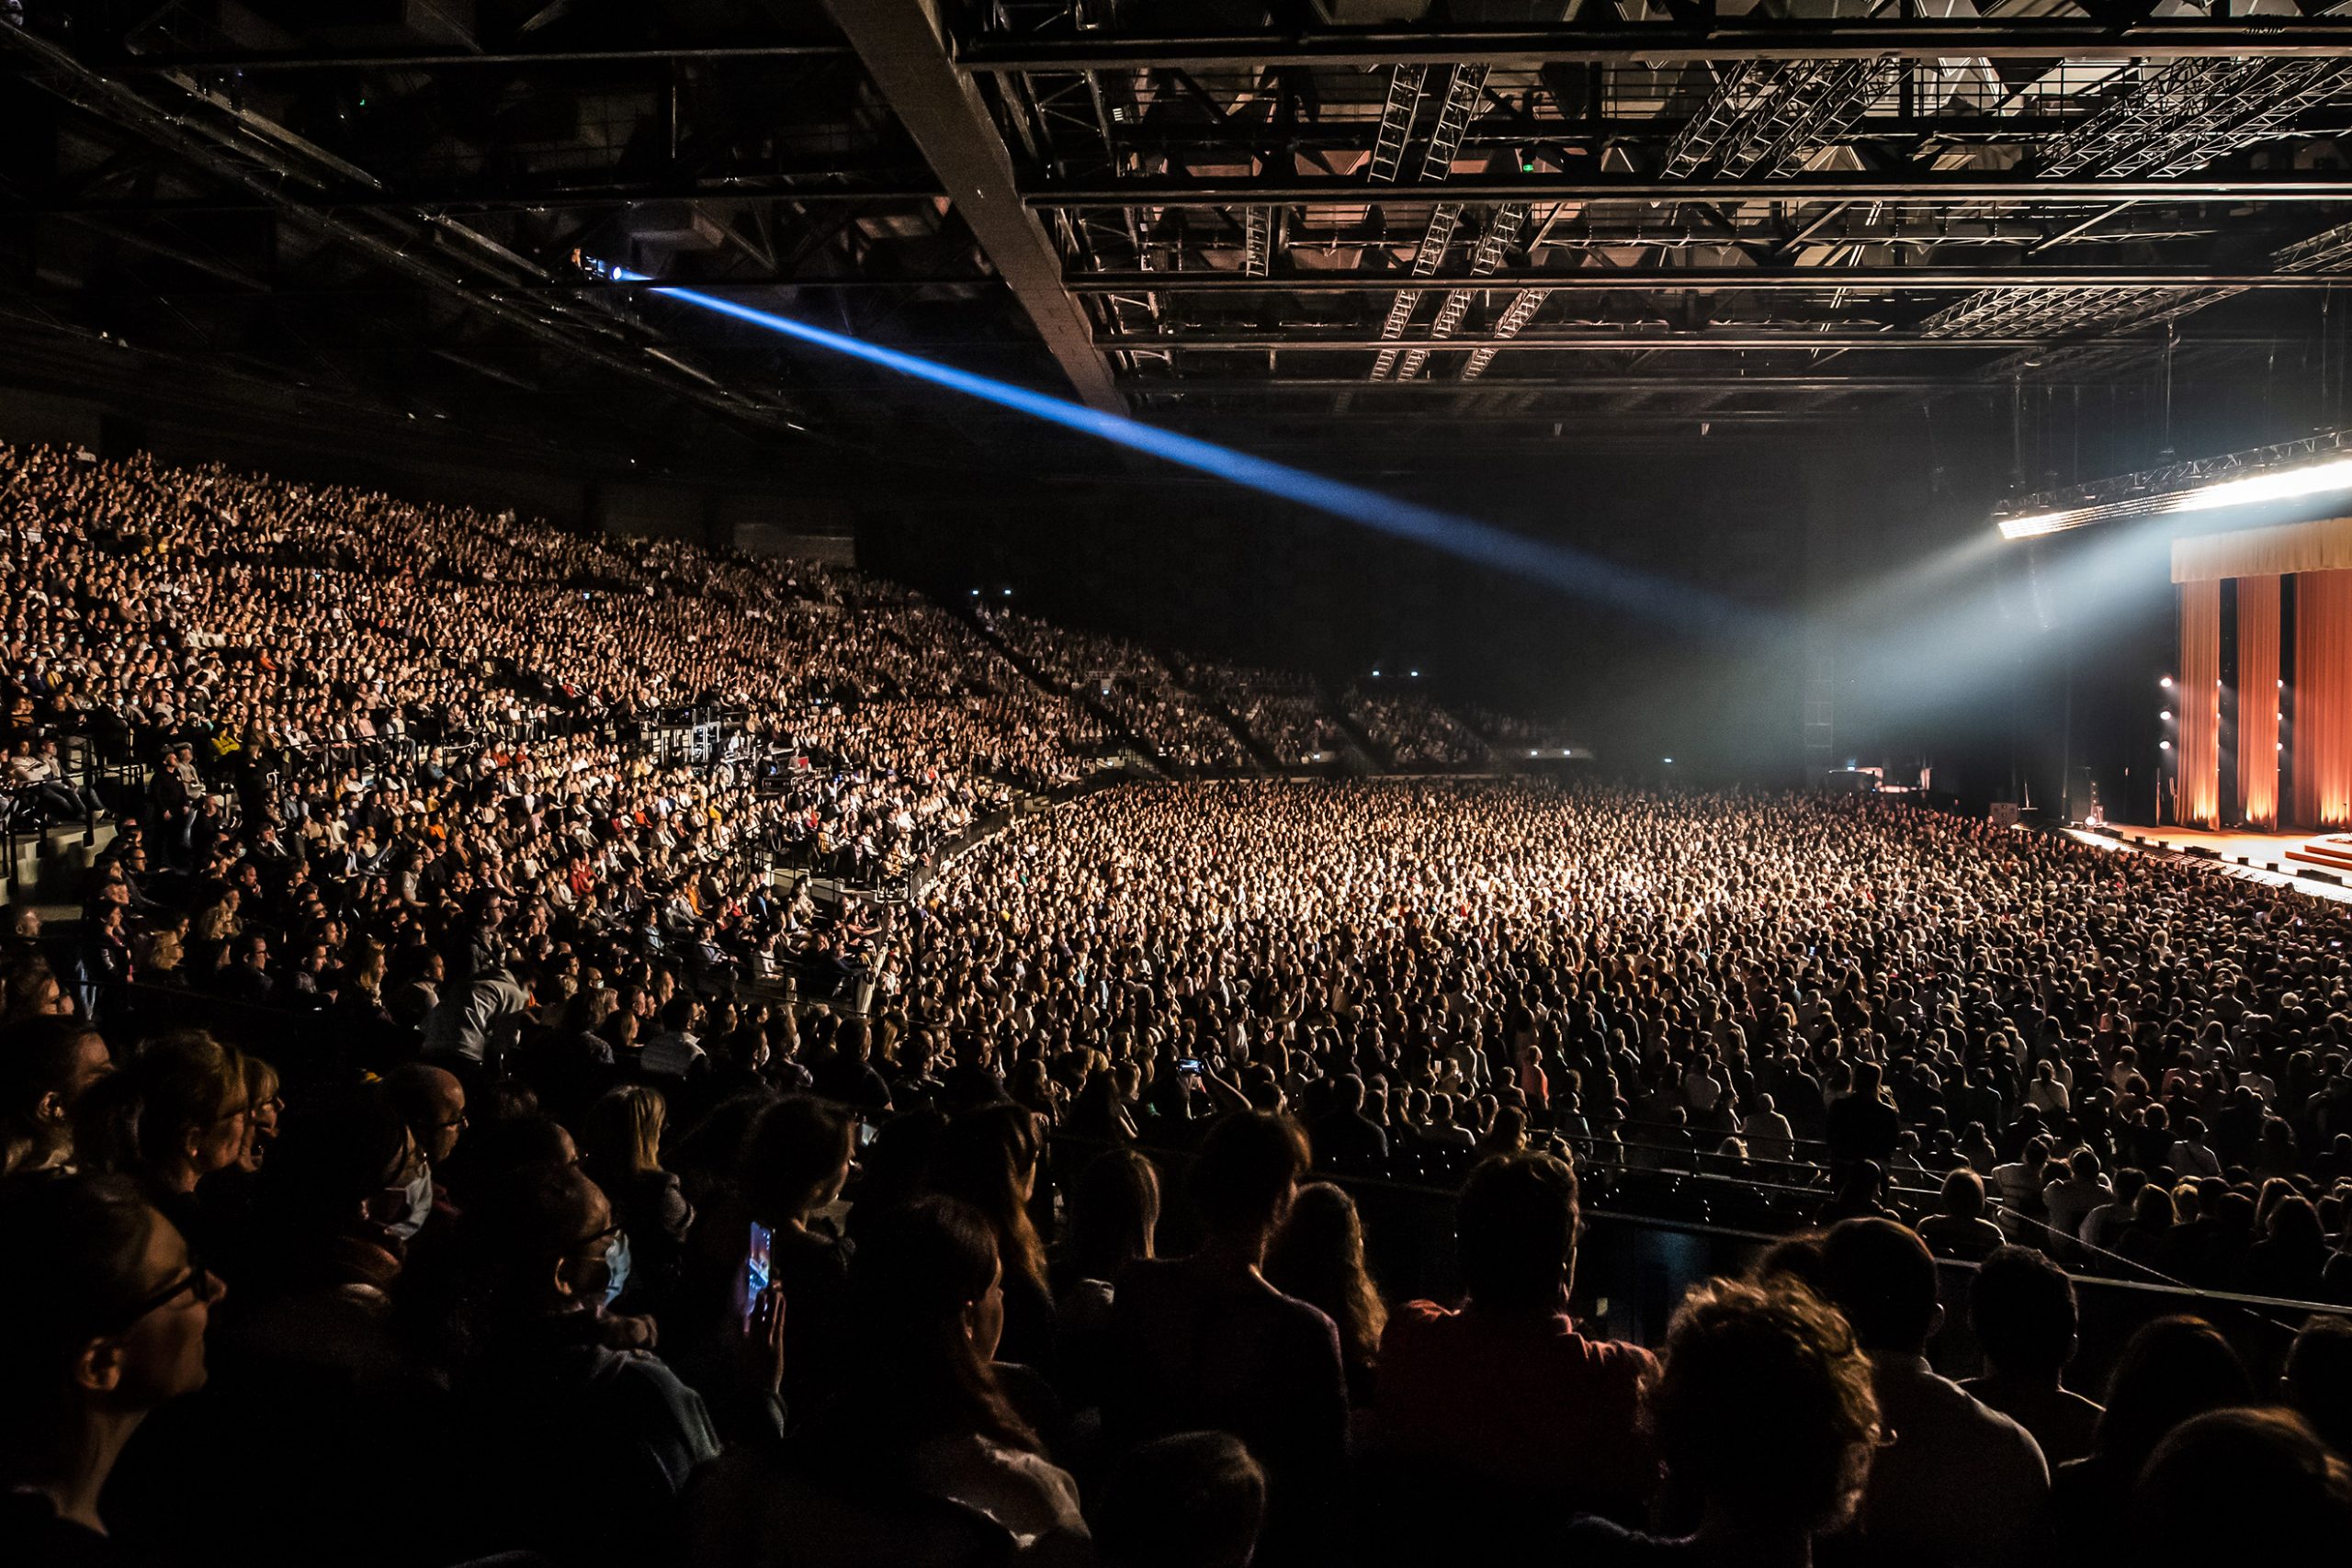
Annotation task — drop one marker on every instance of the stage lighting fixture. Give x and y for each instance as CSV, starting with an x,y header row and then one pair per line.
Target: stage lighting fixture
x,y
2320,465
1574,571
2165,715
2166,682
2165,745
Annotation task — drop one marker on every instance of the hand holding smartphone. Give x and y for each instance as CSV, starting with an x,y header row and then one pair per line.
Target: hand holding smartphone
x,y
755,1270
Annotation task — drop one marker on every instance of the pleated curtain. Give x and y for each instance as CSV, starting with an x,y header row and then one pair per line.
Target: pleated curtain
x,y
2198,701
2323,699
2259,701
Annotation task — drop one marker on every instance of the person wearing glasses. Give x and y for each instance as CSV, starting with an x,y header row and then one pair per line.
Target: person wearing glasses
x,y
580,1449
433,1103
116,1328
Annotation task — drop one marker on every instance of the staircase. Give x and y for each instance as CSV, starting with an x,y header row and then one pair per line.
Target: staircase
x,y
1154,763
1225,716
1372,759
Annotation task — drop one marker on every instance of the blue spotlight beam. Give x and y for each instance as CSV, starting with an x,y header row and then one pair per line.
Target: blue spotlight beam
x,y
1572,572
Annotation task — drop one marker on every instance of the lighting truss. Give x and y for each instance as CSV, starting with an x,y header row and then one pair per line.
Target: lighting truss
x,y
1501,234
1396,123
1257,241
2316,465
2192,112
1463,88
1454,117
1704,135
1768,117
1443,220
1517,314
2017,312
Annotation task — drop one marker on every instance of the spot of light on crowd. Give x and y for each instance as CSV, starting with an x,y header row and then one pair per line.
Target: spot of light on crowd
x,y
1576,573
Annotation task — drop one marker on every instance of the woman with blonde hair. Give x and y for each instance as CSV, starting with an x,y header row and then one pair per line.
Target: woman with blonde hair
x,y
621,1145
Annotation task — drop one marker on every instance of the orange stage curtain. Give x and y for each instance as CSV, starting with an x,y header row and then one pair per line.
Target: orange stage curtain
x,y
2259,701
2323,546
2199,703
2323,710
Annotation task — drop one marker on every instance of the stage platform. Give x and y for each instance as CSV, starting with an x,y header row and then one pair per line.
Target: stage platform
x,y
2319,863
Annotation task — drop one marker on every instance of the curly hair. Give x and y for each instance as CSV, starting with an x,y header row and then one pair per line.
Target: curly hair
x,y
1765,1407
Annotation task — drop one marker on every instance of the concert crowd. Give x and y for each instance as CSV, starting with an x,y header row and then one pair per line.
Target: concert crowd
x,y
443,1140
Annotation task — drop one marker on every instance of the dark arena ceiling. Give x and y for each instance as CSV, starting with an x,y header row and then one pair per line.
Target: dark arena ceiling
x,y
1326,228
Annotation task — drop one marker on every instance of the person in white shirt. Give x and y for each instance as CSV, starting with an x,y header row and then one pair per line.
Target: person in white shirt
x,y
2081,1187
673,1050
2189,1155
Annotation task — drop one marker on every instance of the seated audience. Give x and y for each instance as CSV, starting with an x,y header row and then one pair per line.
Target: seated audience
x,y
113,1328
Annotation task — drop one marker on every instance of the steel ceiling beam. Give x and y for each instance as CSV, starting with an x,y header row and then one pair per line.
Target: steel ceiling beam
x,y
714,193
1788,339
197,64
1222,387
1827,185
1612,280
1668,43
230,153
904,47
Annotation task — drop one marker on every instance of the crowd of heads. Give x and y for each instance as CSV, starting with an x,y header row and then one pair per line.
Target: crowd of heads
x,y
1412,732
438,1083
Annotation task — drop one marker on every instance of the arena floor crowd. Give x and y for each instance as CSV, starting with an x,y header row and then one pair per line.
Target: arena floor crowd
x,y
442,1136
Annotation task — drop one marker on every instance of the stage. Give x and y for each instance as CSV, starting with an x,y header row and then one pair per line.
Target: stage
x,y
2318,864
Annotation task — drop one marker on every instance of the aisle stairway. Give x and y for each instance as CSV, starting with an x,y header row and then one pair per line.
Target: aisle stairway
x,y
1142,752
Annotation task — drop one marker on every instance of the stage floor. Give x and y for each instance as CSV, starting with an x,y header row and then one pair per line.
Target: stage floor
x,y
2273,858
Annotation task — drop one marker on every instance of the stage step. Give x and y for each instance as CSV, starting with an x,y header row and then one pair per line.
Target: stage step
x,y
2331,853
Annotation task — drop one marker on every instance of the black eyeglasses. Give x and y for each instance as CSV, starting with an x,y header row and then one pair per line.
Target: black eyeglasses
x,y
459,1120
609,1234
198,1281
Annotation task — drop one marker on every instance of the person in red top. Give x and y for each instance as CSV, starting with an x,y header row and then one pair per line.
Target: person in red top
x,y
1505,1392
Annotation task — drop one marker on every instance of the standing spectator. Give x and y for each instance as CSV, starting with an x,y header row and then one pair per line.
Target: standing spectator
x,y
1864,1125
1318,1257
1505,1390
1957,1483
2022,1311
1205,1343
2171,1370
